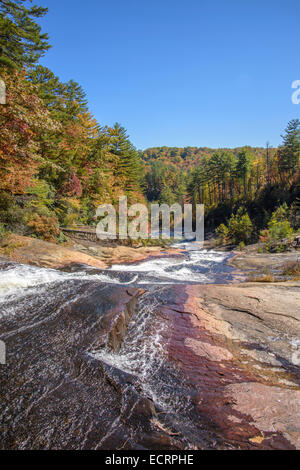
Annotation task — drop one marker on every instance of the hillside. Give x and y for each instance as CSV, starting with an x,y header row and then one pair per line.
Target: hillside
x,y
186,158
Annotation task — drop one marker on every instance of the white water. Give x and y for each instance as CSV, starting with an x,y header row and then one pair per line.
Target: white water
x,y
200,266
31,291
142,355
197,266
16,279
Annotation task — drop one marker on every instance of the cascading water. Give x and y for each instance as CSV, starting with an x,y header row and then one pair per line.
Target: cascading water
x,y
142,354
196,266
43,309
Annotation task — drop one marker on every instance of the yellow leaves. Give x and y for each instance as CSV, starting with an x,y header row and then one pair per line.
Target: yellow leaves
x,y
257,439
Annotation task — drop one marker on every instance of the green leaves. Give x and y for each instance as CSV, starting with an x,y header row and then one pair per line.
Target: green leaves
x,y
289,152
21,40
239,229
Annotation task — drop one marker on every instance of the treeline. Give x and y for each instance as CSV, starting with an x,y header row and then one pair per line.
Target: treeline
x,y
252,181
57,164
187,158
257,184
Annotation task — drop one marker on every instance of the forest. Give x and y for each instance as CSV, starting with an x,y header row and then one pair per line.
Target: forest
x,y
58,164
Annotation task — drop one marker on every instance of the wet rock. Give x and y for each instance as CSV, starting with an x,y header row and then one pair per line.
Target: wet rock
x,y
136,411
54,394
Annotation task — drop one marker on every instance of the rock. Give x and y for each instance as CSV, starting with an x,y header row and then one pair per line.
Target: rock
x,y
29,250
79,247
93,250
233,345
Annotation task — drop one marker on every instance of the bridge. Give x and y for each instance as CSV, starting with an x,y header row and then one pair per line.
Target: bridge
x,y
83,233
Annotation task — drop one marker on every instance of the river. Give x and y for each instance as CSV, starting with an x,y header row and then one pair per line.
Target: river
x,y
65,386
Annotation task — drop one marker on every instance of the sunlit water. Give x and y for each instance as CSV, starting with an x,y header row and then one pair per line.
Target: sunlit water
x,y
27,290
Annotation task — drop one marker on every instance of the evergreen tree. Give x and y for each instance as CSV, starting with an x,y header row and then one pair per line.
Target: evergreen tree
x,y
21,40
289,152
50,89
65,100
243,166
128,164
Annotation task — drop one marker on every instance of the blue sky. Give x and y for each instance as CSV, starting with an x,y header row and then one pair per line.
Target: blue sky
x,y
179,73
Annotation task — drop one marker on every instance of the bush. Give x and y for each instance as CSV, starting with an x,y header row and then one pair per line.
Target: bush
x,y
280,230
11,215
291,268
279,227
222,232
44,227
239,229
62,238
2,231
241,246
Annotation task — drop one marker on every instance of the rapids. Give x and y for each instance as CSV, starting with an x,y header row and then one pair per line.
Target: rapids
x,y
58,326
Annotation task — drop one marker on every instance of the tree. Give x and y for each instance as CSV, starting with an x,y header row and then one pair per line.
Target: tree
x,y
65,100
279,225
289,151
128,165
21,40
155,181
239,228
23,120
243,166
221,166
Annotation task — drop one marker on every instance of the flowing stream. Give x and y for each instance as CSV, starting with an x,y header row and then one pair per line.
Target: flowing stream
x,y
31,297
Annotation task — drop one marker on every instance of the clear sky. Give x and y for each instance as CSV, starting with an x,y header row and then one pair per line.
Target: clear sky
x,y
181,73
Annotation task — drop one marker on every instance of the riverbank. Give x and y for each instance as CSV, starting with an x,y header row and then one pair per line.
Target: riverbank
x,y
36,252
238,349
264,266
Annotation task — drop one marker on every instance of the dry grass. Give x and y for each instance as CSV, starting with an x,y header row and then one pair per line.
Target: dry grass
x,y
266,278
292,268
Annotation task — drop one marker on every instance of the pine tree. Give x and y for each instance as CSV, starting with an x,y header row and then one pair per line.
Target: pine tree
x,y
21,40
128,165
289,152
65,100
242,167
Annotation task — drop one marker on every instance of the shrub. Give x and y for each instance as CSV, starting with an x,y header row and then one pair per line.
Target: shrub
x,y
280,230
264,236
241,246
279,225
222,232
44,227
291,268
2,231
239,229
11,215
62,238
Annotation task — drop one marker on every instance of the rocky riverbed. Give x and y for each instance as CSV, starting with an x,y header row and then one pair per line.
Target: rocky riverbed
x,y
36,252
96,362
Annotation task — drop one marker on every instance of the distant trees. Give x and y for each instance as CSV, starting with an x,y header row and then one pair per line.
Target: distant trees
x,y
243,166
165,184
